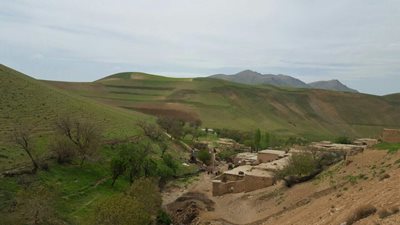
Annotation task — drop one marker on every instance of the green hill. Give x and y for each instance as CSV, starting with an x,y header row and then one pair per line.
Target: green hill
x,y
223,104
34,103
71,192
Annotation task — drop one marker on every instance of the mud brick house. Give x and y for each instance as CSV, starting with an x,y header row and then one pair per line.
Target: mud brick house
x,y
247,178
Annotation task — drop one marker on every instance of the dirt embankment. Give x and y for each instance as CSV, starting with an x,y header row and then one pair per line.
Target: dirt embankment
x,y
369,178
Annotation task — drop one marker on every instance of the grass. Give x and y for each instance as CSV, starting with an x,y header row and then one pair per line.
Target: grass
x,y
313,114
77,190
390,147
36,104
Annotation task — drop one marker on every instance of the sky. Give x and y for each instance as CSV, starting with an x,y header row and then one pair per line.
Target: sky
x,y
355,41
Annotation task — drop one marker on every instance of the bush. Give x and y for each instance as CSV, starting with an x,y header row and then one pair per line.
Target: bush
x,y
204,156
300,164
394,209
139,206
361,213
170,162
163,218
121,209
63,150
343,140
383,213
227,155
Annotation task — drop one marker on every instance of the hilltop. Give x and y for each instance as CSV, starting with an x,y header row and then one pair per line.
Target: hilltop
x,y
255,78
310,113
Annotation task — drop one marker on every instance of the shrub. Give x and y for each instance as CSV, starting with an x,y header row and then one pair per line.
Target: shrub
x,y
121,209
343,140
204,156
163,218
139,206
63,150
300,164
170,162
394,209
383,213
361,213
227,155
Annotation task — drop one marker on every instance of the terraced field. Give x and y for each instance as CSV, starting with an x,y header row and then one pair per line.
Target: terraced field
x,y
313,114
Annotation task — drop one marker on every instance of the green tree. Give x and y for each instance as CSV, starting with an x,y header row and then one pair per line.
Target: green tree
x,y
33,206
170,162
146,191
266,140
204,156
300,164
172,125
118,167
257,139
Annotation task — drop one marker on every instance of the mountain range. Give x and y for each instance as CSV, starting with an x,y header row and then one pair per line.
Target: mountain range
x,y
255,78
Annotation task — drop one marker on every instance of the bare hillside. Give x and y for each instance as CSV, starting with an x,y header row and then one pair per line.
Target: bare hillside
x,y
371,178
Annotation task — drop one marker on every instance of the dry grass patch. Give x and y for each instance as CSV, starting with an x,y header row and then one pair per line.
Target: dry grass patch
x,y
361,212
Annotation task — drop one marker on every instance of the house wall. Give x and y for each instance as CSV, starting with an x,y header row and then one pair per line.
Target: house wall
x,y
267,157
391,136
248,183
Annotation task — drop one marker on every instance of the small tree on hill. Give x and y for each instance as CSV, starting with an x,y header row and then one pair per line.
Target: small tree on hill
x,y
135,160
152,131
85,135
172,126
22,137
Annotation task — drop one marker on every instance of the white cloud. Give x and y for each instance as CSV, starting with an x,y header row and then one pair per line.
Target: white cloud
x,y
349,40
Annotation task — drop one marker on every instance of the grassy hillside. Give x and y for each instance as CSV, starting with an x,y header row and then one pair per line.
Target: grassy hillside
x,y
36,104
72,192
223,104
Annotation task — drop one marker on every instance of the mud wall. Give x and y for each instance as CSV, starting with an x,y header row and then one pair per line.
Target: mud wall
x,y
249,183
267,157
391,136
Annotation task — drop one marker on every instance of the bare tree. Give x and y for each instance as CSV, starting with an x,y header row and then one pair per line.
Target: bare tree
x,y
22,137
85,135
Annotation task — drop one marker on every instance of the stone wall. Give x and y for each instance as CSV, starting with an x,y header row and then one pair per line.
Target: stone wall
x,y
391,136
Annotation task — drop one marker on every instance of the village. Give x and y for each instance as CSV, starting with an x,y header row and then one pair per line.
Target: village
x,y
254,174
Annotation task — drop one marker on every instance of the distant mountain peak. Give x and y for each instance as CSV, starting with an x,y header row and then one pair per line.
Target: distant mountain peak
x,y
281,80
333,85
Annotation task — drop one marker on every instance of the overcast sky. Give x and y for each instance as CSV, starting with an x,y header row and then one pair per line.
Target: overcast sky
x,y
355,41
